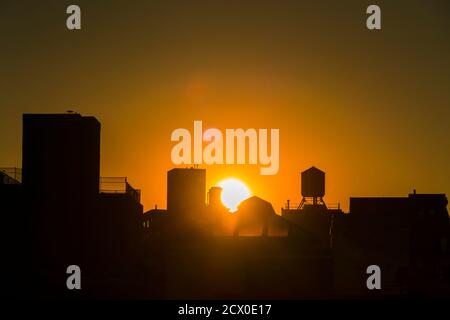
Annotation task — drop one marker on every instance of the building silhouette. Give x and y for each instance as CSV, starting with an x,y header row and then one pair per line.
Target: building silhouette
x,y
204,251
58,212
61,170
14,237
312,213
405,236
186,190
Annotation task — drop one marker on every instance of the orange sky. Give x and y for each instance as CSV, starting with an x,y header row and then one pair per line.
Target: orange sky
x,y
371,109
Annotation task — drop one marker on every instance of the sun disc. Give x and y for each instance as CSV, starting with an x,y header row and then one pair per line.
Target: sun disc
x,y
234,191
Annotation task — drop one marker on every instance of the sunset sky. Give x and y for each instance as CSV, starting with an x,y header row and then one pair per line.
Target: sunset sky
x,y
370,108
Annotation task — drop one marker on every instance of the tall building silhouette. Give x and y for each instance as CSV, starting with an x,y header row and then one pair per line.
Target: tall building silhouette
x,y
61,169
61,155
69,218
186,190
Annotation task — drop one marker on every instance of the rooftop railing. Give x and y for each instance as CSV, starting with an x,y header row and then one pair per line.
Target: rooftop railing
x,y
11,175
119,185
107,184
296,205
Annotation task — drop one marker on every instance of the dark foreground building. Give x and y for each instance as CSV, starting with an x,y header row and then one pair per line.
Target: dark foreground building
x,y
57,213
406,237
61,170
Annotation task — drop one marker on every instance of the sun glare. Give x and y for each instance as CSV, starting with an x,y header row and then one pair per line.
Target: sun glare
x,y
234,191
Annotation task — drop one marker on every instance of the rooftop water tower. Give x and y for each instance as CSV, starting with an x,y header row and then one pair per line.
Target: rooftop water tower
x,y
313,187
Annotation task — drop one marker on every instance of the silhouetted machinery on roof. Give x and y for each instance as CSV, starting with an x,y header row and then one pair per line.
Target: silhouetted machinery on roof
x,y
313,187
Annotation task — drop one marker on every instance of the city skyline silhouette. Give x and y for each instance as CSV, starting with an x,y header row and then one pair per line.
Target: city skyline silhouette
x,y
225,150
58,214
369,107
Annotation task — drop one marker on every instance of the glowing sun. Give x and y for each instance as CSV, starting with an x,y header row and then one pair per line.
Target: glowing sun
x,y
234,191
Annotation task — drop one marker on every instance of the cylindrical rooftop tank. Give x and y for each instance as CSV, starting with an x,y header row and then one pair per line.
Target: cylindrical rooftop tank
x,y
313,183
